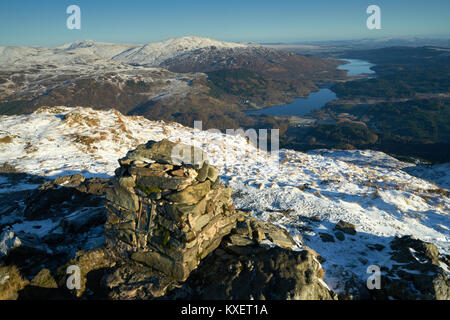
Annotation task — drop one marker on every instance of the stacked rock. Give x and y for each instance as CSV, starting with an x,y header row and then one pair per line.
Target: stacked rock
x,y
167,208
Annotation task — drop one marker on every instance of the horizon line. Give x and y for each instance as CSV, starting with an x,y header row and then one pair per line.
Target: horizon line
x,y
291,42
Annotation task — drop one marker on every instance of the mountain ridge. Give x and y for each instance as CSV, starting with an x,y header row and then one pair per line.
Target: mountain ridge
x,y
142,53
164,80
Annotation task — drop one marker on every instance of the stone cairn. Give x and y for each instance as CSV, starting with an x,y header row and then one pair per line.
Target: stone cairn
x,y
167,208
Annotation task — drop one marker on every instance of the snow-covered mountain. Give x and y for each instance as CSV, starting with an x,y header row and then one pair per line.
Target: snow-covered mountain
x,y
101,49
151,54
155,53
164,80
27,73
306,193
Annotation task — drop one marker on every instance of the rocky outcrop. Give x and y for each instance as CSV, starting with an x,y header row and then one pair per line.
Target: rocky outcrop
x,y
418,272
43,286
173,225
252,234
11,282
8,241
167,208
256,261
270,273
88,262
346,227
44,279
65,193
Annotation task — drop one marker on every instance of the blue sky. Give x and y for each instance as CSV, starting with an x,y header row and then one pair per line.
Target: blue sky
x,y
43,22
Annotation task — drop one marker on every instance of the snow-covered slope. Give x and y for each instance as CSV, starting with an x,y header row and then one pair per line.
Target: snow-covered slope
x,y
29,72
151,54
157,52
101,49
17,55
366,188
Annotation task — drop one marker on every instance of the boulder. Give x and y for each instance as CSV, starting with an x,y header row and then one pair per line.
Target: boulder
x,y
271,273
163,182
203,172
70,181
339,235
191,194
346,227
213,173
260,231
133,280
127,182
207,172
65,193
43,287
154,260
93,186
11,282
168,152
122,197
87,261
326,237
44,279
83,220
8,241
417,272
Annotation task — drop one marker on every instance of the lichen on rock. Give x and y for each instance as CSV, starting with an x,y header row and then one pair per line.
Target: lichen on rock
x,y
170,211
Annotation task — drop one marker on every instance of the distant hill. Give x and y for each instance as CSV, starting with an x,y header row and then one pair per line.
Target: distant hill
x,y
163,80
